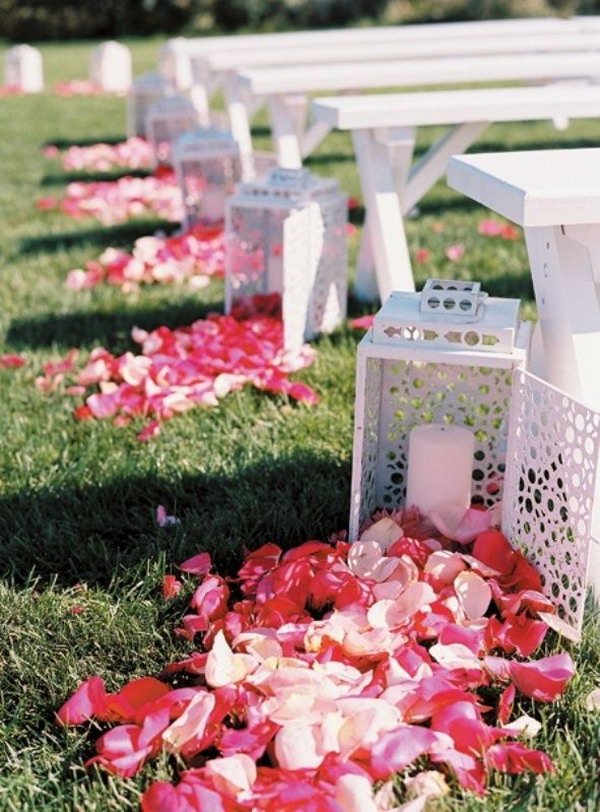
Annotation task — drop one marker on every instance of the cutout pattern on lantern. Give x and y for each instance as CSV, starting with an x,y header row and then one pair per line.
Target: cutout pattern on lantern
x,y
286,235
408,382
417,392
550,487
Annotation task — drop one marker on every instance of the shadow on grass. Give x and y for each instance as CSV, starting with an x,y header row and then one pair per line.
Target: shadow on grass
x,y
330,158
110,328
260,131
96,533
121,235
65,143
562,140
61,178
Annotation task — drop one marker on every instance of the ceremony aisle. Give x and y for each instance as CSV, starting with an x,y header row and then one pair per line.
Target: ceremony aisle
x,y
86,548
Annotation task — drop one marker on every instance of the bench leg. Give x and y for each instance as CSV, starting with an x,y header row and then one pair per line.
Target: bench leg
x,y
284,124
384,222
398,143
432,166
239,121
565,265
200,99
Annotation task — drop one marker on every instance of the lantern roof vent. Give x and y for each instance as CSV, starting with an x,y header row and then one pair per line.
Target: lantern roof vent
x,y
204,142
448,314
291,185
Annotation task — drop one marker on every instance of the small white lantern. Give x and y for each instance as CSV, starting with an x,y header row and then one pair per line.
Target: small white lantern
x,y
110,67
286,234
166,120
143,93
442,356
23,69
208,166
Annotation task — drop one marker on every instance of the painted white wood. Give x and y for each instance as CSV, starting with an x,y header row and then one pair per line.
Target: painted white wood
x,y
110,67
432,165
404,34
456,106
555,195
239,122
285,133
534,188
538,67
463,110
317,76
23,69
386,229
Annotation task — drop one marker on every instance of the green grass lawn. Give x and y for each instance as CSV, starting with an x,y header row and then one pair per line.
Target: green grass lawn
x,y
77,500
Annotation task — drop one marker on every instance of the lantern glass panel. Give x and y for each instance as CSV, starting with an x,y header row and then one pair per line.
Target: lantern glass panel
x,y
255,250
206,184
166,121
144,92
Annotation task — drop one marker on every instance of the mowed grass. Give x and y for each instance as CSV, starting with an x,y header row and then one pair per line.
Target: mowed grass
x,y
77,500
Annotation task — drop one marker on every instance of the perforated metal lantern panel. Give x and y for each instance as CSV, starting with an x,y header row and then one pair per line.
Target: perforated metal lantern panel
x,y
286,234
208,166
550,488
406,378
166,121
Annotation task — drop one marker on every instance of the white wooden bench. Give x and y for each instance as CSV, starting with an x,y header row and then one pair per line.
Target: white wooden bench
x,y
286,89
555,196
207,63
391,189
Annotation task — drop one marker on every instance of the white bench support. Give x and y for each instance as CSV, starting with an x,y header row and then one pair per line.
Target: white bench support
x,y
432,166
386,232
565,264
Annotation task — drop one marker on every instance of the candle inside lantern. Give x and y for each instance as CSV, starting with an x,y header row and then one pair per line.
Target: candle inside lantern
x,y
440,467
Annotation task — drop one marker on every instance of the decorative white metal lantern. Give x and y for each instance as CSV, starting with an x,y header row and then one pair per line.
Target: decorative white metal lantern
x,y
550,505
208,166
23,69
110,67
166,121
444,355
286,234
143,93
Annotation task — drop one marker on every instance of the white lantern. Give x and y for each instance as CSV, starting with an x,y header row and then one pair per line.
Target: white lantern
x,y
110,67
23,69
143,93
208,166
286,234
166,121
445,356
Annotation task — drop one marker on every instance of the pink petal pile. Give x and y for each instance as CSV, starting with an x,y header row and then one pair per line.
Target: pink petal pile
x,y
10,90
134,153
194,256
12,361
324,670
78,87
177,370
116,201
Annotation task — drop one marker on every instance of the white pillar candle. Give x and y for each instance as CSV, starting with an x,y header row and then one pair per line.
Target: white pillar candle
x,y
440,467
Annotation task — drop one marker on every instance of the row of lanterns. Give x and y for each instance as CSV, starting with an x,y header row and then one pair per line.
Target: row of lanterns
x,y
446,412
110,68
